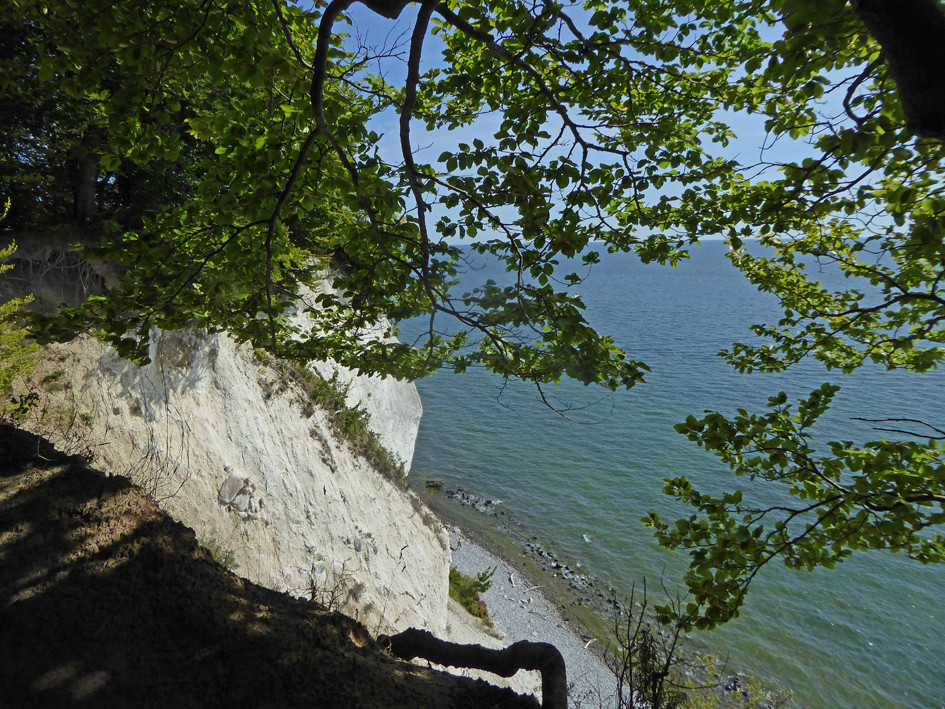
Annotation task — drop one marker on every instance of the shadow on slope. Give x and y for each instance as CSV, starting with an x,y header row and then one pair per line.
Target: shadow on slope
x,y
105,601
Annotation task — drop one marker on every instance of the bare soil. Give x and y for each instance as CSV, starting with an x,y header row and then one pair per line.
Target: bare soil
x,y
105,601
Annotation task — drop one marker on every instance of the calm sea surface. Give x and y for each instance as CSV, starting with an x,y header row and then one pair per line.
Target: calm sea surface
x,y
869,634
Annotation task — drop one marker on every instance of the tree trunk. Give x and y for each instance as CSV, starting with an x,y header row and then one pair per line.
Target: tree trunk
x,y
523,655
912,35
85,190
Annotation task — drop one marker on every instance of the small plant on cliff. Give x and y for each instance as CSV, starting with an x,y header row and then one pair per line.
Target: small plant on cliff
x,y
330,394
465,590
224,557
337,589
351,423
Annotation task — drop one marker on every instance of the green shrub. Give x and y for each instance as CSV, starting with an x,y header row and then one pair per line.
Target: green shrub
x,y
465,590
16,358
53,376
224,557
351,424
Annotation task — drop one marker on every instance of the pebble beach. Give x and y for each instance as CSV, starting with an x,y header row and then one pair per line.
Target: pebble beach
x,y
538,596
520,611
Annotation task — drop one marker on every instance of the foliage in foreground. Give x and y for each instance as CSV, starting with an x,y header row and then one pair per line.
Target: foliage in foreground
x,y
882,495
229,155
17,358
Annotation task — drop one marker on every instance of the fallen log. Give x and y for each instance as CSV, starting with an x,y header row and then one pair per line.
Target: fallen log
x,y
523,655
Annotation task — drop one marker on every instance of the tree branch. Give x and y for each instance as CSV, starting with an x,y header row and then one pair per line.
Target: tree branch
x,y
523,655
406,112
277,5
940,432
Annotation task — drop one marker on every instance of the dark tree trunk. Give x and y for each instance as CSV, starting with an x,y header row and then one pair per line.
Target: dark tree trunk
x,y
912,35
523,655
387,8
85,190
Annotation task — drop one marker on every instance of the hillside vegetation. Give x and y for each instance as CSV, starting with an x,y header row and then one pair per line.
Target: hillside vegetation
x,y
108,602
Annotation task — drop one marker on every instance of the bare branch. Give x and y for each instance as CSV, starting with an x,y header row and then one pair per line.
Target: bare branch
x,y
940,432
277,4
406,111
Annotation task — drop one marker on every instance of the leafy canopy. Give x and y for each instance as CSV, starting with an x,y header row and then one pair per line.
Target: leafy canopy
x,y
226,154
17,355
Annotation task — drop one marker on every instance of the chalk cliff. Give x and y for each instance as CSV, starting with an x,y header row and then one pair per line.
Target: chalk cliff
x,y
234,450
230,446
106,602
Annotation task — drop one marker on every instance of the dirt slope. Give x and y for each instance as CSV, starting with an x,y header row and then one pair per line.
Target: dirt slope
x,y
107,602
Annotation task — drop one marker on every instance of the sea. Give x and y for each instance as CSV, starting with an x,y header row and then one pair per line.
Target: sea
x,y
869,633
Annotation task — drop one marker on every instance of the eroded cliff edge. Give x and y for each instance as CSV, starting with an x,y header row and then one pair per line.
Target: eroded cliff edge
x,y
105,601
228,446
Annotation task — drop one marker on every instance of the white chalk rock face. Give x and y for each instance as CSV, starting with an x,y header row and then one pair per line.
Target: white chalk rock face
x,y
393,406
224,444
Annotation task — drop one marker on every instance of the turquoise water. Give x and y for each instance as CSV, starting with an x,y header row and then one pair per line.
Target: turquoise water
x,y
869,634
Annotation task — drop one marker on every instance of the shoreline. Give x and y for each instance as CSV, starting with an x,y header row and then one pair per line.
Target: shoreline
x,y
518,610
525,602
582,605
584,600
